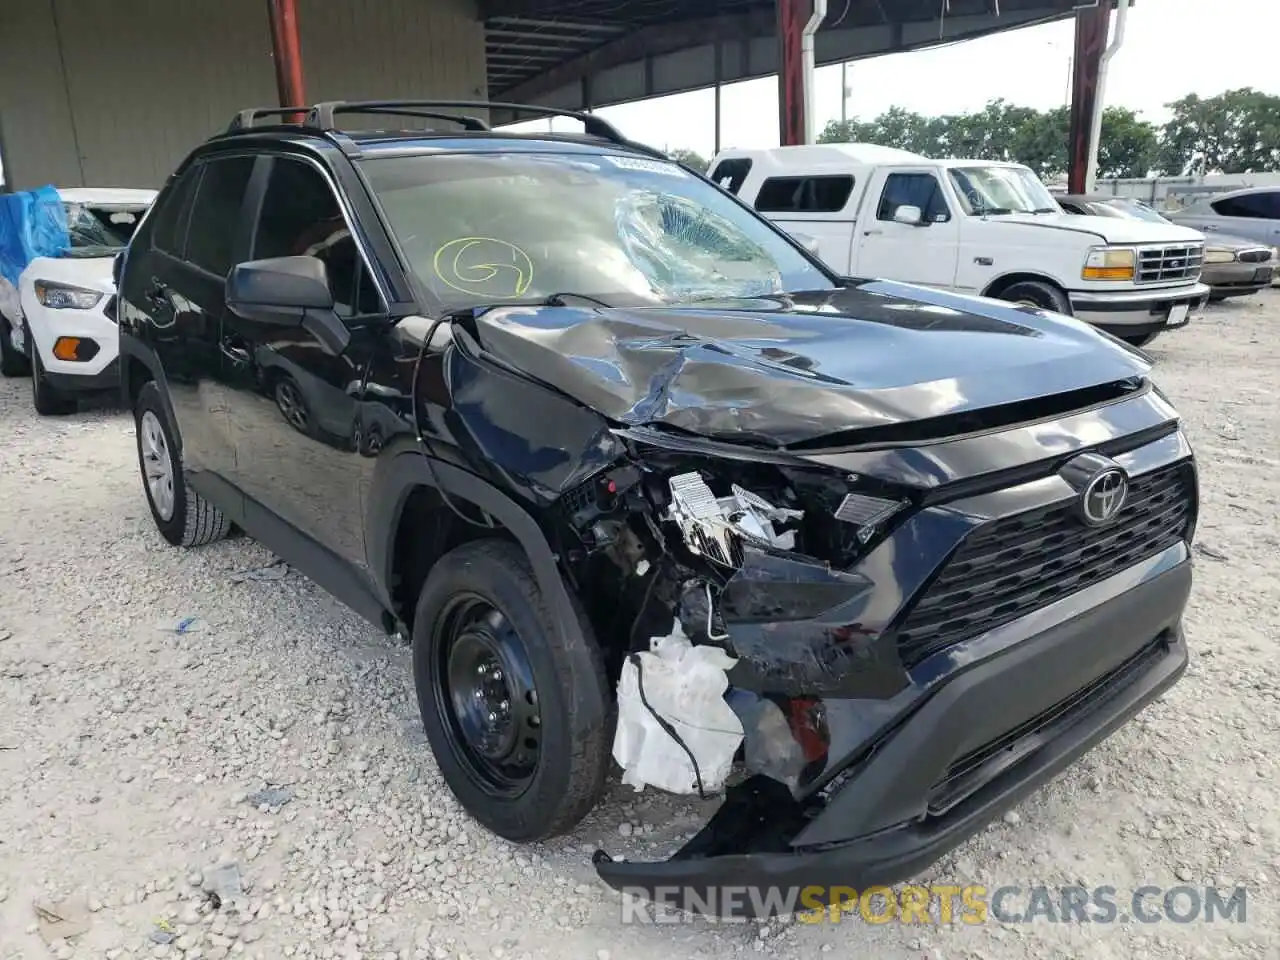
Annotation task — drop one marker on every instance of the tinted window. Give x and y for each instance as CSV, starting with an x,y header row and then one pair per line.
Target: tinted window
x,y
301,217
804,194
914,190
1257,206
173,214
731,174
216,214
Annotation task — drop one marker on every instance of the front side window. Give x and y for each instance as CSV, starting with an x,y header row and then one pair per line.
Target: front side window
x,y
481,229
301,217
914,190
216,214
996,191
173,214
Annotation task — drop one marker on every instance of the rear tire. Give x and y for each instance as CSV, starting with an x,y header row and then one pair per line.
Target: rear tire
x,y
486,646
182,516
1036,293
12,363
48,401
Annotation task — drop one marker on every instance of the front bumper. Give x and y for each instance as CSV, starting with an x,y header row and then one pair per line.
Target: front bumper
x,y
107,378
1237,279
1137,312
1008,725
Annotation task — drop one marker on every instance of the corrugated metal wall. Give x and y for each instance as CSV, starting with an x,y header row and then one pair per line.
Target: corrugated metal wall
x,y
116,92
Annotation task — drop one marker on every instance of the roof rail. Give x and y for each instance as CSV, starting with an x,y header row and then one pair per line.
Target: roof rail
x,y
245,118
322,114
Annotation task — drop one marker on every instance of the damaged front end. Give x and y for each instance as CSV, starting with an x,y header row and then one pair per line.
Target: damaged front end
x,y
728,577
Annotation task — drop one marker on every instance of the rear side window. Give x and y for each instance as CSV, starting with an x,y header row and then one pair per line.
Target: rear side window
x,y
216,214
804,194
169,232
914,190
1255,206
731,174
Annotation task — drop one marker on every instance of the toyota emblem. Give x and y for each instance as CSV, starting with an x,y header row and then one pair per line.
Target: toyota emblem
x,y
1104,496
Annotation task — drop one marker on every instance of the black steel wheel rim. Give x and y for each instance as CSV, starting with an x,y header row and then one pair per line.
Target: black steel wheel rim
x,y
486,696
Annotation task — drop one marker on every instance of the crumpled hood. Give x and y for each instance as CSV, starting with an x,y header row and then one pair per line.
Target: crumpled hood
x,y
787,369
92,273
1108,229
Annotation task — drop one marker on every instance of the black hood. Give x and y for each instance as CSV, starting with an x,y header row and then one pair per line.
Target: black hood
x,y
789,369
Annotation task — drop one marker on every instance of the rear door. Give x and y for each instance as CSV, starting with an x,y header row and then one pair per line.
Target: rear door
x,y
176,282
1255,216
885,249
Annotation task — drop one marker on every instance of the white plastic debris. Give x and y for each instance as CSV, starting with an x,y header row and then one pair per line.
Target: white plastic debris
x,y
683,685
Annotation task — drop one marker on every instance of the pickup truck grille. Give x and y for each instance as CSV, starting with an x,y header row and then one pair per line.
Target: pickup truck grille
x,y
1162,264
1015,565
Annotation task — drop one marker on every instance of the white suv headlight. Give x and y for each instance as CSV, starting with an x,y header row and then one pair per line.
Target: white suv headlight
x,y
1109,263
61,296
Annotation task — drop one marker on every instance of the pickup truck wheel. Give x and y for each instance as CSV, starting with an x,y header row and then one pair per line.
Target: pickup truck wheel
x,y
48,401
12,363
1036,294
182,516
501,694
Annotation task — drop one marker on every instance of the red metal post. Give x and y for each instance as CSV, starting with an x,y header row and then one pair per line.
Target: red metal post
x,y
792,17
1092,26
286,49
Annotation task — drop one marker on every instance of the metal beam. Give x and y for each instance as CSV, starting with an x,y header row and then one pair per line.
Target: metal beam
x,y
286,48
561,25
645,42
1092,25
792,15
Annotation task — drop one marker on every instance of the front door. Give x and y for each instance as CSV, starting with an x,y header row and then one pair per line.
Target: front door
x,y
295,404
926,253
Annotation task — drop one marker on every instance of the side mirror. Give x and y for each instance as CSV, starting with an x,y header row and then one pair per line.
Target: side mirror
x,y
912,216
117,268
806,241
287,292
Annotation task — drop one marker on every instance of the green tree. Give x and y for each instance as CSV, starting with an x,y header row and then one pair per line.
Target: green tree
x,y
1235,132
1128,146
689,158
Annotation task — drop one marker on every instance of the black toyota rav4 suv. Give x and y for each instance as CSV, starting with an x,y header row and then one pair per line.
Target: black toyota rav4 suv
x,y
535,399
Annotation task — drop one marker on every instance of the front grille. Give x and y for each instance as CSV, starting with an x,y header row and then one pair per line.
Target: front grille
x,y
1254,256
1015,565
1160,264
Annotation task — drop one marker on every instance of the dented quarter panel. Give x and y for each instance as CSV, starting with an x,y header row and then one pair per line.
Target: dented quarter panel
x,y
788,369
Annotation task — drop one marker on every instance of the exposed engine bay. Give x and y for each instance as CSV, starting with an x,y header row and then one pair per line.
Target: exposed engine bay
x,y
679,547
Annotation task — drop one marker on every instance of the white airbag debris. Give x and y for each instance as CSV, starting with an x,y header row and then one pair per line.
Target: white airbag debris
x,y
684,688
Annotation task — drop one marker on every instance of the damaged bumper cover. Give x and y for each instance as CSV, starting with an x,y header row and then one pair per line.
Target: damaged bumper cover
x,y
962,751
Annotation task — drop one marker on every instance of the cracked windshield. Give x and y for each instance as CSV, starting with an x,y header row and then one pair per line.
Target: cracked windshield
x,y
620,230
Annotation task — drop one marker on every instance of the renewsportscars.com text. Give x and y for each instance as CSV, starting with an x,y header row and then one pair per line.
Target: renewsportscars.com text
x,y
943,904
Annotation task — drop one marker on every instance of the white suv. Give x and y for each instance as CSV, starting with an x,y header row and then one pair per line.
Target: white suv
x,y
66,323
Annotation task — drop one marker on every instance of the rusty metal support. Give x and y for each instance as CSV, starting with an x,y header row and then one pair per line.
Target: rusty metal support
x,y
286,49
1092,25
792,17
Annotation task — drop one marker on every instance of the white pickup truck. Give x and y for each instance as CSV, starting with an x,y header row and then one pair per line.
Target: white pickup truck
x,y
979,227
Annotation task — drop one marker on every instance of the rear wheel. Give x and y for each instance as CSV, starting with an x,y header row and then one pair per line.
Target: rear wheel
x,y
182,516
12,363
1035,293
518,717
48,400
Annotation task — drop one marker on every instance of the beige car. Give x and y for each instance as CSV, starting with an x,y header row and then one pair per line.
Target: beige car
x,y
1233,266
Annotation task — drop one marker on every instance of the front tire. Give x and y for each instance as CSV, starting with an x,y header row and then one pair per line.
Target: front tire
x,y
12,363
182,516
48,401
1035,293
518,717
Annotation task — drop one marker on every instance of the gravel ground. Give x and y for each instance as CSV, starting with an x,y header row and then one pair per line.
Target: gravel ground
x,y
131,754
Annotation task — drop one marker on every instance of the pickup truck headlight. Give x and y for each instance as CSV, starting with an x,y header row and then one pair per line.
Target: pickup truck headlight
x,y
61,296
1219,255
1108,263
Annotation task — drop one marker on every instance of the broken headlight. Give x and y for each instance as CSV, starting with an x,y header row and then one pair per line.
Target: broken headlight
x,y
717,527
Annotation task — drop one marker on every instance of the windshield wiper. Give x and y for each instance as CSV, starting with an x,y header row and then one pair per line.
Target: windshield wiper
x,y
994,211
1045,210
559,299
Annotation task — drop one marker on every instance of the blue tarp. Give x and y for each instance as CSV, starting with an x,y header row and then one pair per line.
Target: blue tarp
x,y
32,224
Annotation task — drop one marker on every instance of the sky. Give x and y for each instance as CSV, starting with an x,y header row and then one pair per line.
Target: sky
x,y
1171,48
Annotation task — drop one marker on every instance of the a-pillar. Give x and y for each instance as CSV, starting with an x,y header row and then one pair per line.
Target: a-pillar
x,y
286,49
792,17
1092,26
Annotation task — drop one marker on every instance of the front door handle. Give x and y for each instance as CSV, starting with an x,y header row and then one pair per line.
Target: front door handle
x,y
872,233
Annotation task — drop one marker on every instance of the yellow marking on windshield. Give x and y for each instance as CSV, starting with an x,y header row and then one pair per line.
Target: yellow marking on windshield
x,y
469,264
